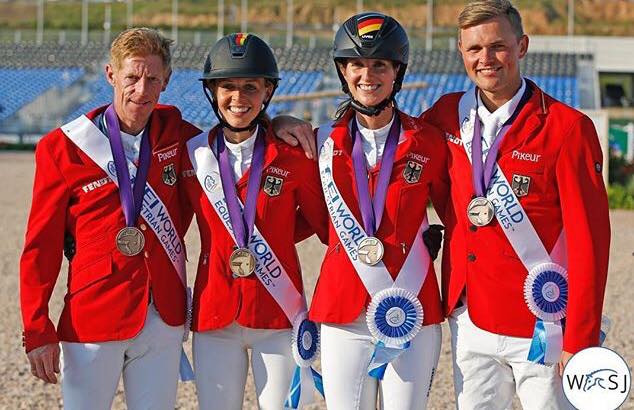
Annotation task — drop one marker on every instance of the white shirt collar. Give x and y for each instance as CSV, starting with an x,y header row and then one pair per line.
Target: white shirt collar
x,y
241,147
504,112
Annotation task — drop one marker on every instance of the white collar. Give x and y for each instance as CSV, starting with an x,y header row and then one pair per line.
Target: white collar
x,y
504,112
374,134
246,145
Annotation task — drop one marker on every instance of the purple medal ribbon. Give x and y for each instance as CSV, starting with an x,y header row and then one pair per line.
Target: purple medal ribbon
x,y
482,177
372,209
482,172
241,222
131,198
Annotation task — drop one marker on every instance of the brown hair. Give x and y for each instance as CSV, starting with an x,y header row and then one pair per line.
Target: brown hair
x,y
141,41
478,11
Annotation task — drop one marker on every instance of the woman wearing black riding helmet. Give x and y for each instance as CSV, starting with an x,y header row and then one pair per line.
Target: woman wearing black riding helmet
x,y
245,188
377,296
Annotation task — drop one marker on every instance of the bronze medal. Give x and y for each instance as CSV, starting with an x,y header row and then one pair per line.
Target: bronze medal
x,y
130,241
370,250
480,211
242,263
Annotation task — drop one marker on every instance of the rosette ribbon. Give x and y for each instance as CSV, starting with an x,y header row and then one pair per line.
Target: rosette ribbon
x,y
546,295
394,318
305,347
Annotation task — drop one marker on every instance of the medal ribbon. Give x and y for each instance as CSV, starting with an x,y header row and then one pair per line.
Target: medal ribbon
x,y
372,209
483,169
241,221
131,198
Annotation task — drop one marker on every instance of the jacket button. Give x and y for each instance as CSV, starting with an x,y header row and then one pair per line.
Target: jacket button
x,y
143,227
471,257
146,254
473,228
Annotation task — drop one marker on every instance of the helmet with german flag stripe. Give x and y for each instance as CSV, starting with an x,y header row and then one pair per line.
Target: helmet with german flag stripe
x,y
239,55
372,35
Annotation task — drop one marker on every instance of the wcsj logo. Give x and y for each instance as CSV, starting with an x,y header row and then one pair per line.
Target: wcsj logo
x,y
596,378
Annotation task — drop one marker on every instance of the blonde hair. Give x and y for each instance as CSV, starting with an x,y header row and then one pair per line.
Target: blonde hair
x,y
478,11
141,41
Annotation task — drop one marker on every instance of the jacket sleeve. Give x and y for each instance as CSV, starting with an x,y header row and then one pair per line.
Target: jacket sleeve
x,y
43,248
585,215
312,212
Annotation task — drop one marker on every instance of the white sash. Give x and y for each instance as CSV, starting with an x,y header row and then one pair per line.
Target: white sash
x,y
514,221
269,270
350,233
85,134
512,218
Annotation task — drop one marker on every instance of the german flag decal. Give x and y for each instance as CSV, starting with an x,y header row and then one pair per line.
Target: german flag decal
x,y
237,44
241,38
368,25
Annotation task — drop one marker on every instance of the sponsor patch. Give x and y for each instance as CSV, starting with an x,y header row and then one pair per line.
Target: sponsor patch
x,y
166,154
520,185
96,184
169,174
272,185
598,167
278,171
526,156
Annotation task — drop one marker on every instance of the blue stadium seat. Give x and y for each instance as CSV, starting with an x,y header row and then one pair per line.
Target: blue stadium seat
x,y
21,86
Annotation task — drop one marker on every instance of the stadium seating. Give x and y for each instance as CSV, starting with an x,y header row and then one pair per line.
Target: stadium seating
x,y
28,69
19,87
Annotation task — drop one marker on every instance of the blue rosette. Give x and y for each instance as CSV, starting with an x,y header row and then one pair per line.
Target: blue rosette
x,y
305,340
546,291
394,316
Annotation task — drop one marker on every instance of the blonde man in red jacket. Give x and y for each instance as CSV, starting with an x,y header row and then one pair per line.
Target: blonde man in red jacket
x,y
107,181
528,229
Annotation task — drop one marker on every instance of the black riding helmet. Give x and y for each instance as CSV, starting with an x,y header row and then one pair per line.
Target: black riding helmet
x,y
239,55
372,35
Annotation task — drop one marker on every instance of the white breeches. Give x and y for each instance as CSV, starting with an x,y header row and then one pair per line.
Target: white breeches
x,y
221,365
346,353
489,369
148,362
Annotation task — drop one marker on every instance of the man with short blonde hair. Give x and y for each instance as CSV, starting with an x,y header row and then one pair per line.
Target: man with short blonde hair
x,y
106,182
477,12
140,41
528,231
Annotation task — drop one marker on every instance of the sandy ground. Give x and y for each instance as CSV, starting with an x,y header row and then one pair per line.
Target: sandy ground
x,y
20,390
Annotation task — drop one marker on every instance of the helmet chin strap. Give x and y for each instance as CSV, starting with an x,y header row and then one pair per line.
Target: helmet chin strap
x,y
224,123
372,111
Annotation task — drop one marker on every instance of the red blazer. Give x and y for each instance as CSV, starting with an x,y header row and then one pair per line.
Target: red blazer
x,y
557,147
219,300
107,292
340,295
